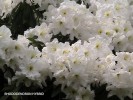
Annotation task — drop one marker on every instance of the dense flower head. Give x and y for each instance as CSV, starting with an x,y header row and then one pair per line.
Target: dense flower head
x,y
102,54
70,18
118,75
42,33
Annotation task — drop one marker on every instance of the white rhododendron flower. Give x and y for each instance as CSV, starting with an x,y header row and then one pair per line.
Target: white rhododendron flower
x,y
70,18
101,54
42,32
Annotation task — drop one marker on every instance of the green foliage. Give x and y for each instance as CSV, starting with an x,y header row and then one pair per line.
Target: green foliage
x,y
51,91
64,39
22,17
36,43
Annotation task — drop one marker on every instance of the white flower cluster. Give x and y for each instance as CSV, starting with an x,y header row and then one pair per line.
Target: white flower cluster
x,y
72,66
78,65
104,27
6,6
72,18
115,20
42,32
23,59
119,74
110,19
